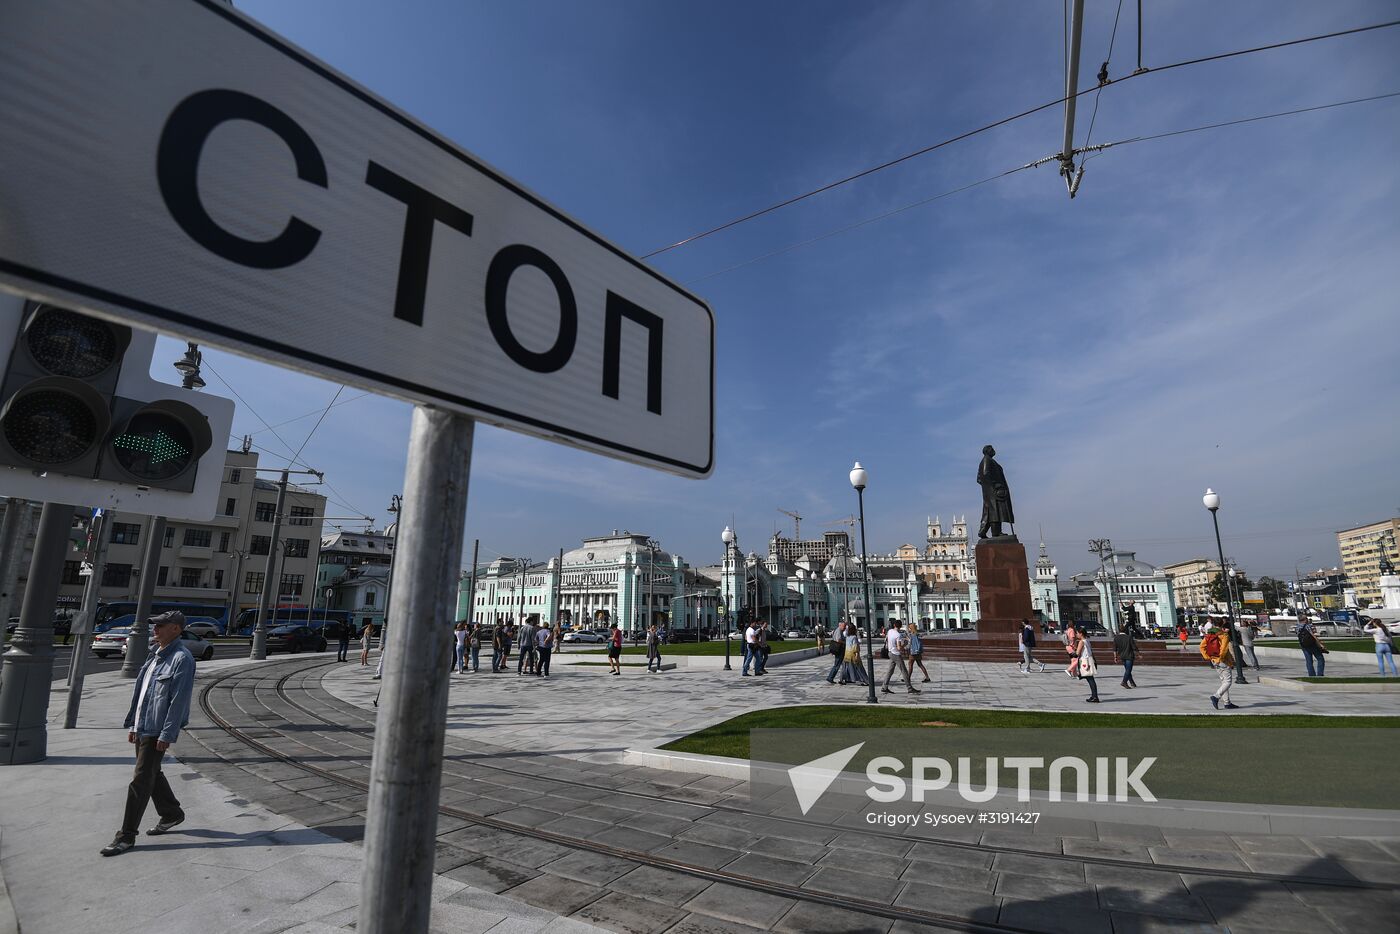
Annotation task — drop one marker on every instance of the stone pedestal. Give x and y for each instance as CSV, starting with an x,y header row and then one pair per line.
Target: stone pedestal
x,y
1003,590
1390,591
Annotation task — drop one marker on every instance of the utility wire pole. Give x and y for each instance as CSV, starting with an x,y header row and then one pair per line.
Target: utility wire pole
x,y
83,624
28,664
1066,156
259,650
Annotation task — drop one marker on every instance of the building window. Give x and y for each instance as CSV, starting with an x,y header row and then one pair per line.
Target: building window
x,y
297,547
70,572
198,538
292,584
169,537
162,576
125,533
189,577
218,580
301,515
260,545
235,475
223,541
253,583
230,507
116,575
369,597
264,512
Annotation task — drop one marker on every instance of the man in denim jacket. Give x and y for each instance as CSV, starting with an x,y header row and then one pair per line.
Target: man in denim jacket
x,y
160,706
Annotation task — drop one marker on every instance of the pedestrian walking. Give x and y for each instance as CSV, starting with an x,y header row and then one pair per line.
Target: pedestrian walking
x,y
1385,645
852,669
525,642
837,649
760,647
819,633
544,648
459,648
160,708
1072,649
1027,644
366,638
750,635
342,636
474,646
1087,669
615,650
916,650
1181,634
898,646
1215,649
1247,627
1125,652
653,650
1313,651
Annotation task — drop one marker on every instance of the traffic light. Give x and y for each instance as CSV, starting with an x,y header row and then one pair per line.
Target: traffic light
x,y
82,422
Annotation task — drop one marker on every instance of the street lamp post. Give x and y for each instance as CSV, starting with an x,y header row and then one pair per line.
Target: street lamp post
x,y
728,537
1211,500
858,478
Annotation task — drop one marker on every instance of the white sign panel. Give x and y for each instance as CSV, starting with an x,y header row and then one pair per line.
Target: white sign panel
x,y
172,164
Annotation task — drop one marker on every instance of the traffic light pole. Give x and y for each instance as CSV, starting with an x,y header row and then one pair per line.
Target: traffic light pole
x,y
260,626
406,771
83,624
138,642
28,665
13,532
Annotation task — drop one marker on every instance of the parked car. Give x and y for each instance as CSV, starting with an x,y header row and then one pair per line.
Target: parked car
x,y
295,639
111,642
203,626
793,634
198,647
583,636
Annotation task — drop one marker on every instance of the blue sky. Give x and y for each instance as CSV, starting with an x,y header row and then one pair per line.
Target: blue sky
x,y
1216,309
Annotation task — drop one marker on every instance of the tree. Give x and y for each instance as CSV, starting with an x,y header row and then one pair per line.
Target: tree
x,y
1219,593
1276,593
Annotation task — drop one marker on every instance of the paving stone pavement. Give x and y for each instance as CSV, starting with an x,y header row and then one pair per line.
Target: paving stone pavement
x,y
529,755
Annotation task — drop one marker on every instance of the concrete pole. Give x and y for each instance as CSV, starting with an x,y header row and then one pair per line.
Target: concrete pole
x,y
83,624
471,593
28,665
406,771
13,532
259,650
1072,78
138,642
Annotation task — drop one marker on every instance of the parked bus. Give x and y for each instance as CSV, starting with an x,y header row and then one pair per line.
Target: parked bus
x,y
123,613
292,616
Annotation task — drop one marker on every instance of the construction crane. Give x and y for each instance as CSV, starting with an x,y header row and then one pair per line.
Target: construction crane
x,y
849,522
796,524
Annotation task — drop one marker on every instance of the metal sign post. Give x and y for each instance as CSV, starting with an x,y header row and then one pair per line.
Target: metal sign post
x,y
82,623
406,773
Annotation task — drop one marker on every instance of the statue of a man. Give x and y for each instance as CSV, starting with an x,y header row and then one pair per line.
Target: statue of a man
x,y
996,495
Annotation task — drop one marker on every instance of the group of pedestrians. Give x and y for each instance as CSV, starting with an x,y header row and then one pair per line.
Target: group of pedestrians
x,y
756,648
903,647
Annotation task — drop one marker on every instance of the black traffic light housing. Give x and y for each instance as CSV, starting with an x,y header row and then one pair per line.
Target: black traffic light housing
x,y
62,373
83,422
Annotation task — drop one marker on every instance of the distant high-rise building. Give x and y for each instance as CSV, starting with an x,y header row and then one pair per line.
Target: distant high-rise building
x,y
1361,550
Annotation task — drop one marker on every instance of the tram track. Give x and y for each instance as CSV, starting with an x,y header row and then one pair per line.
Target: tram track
x,y
655,860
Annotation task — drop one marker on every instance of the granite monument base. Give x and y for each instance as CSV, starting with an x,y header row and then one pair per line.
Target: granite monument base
x,y
1003,589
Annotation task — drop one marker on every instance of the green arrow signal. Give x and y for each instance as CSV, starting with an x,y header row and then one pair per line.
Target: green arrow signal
x,y
161,446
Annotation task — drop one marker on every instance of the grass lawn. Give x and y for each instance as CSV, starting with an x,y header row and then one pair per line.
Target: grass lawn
x,y
731,738
1391,680
1335,645
707,648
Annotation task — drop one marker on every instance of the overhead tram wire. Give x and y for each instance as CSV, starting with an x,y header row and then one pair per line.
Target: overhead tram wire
x,y
324,413
294,462
1003,122
314,412
1104,80
1095,150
